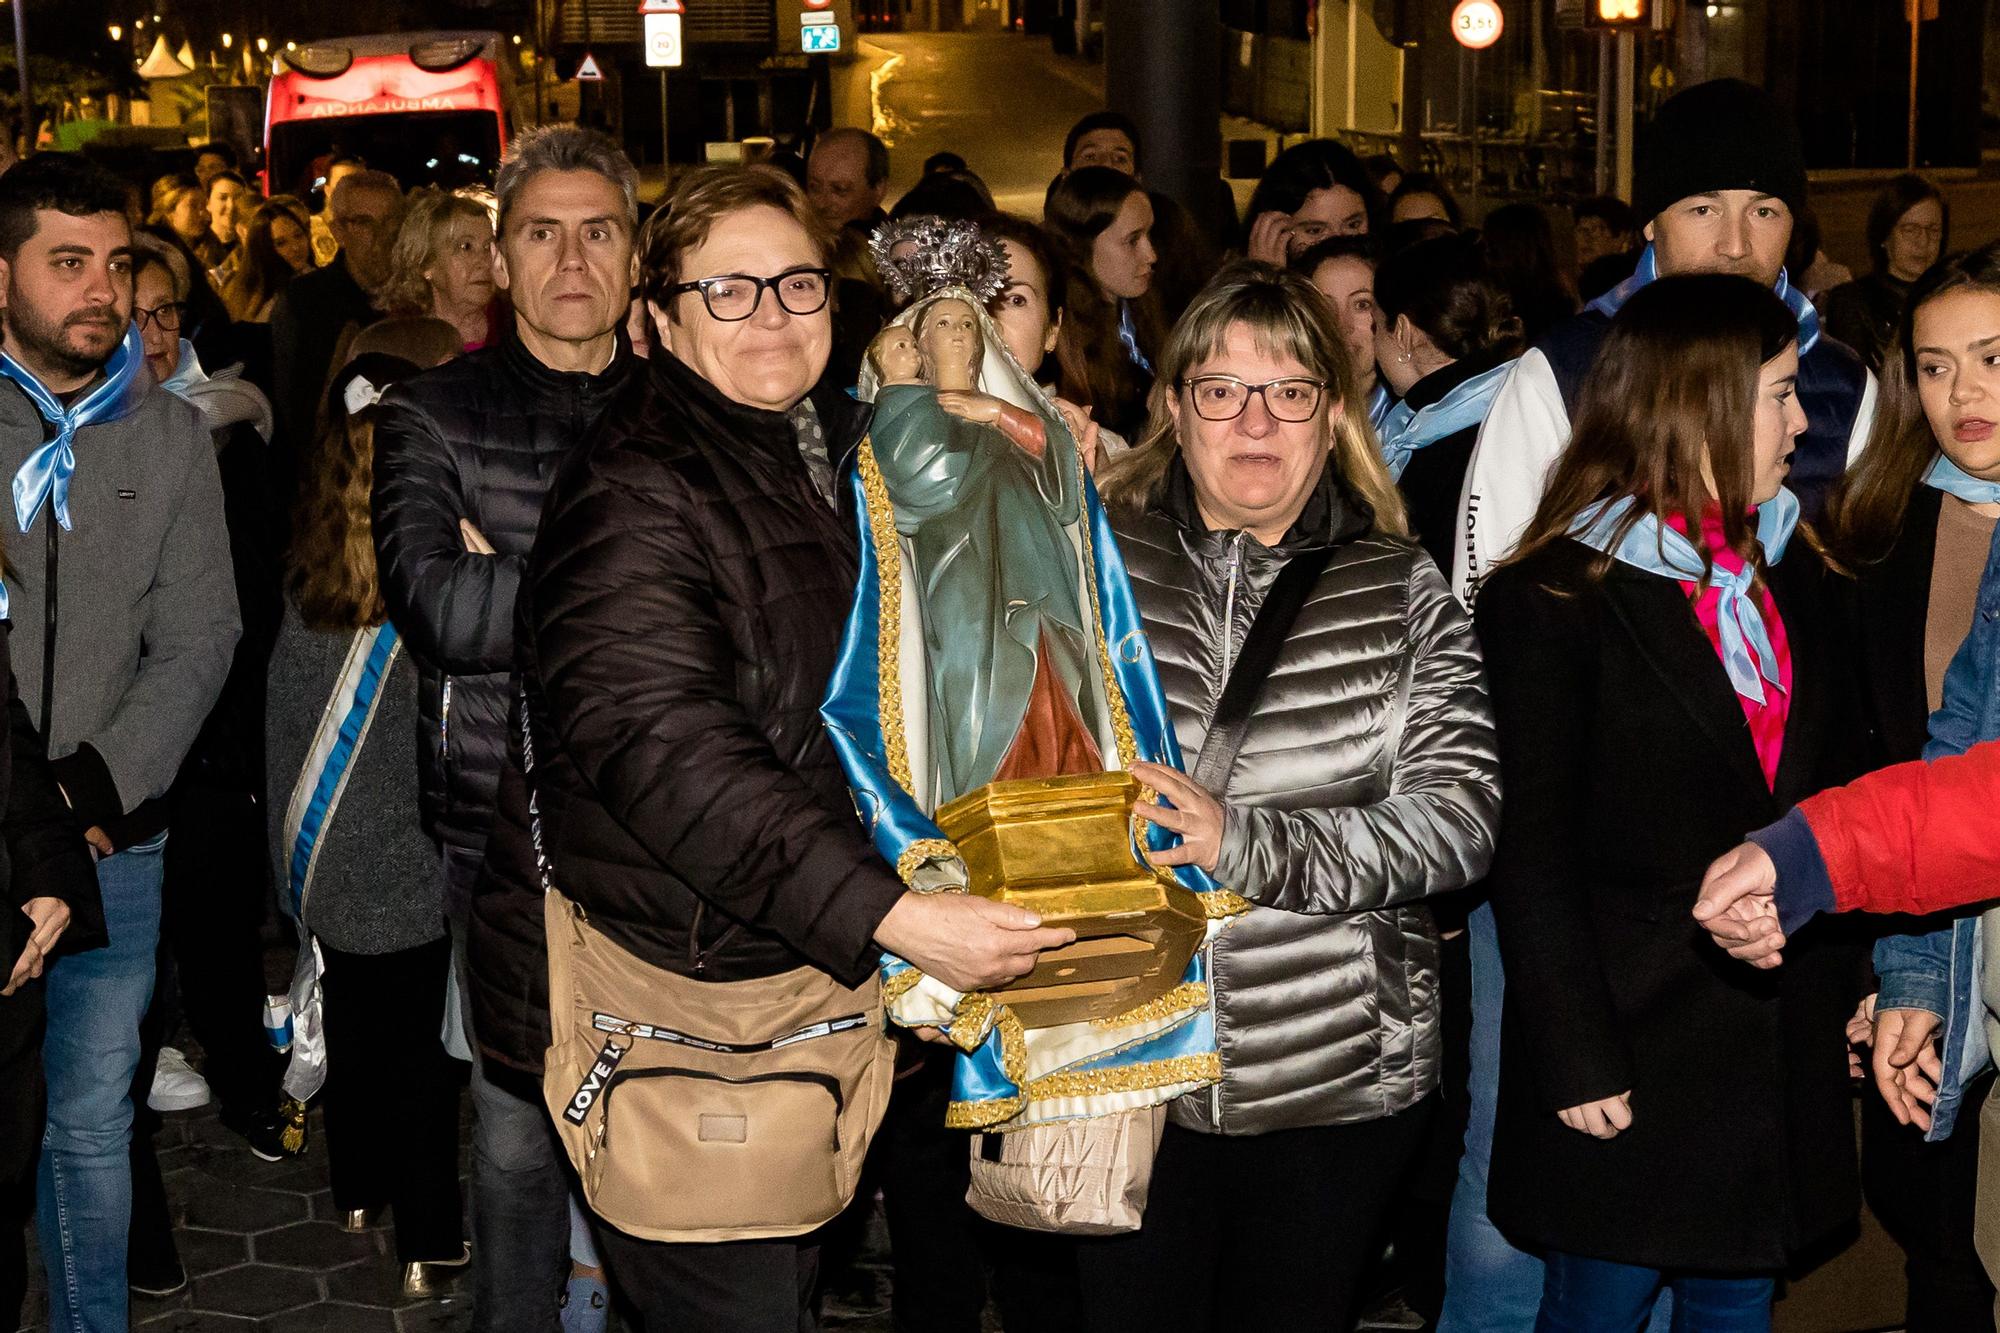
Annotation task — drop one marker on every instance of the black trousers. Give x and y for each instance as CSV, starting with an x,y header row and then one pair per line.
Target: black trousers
x,y
939,1249
1271,1231
391,1094
736,1286
1925,1195
1423,1214
21,1105
214,903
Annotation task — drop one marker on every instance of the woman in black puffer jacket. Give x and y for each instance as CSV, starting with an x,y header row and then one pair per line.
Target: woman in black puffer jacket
x,y
679,618
1366,781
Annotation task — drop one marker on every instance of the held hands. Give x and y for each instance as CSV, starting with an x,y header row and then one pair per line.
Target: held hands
x,y
475,540
1605,1118
51,918
1269,235
1906,1063
1739,907
1195,815
967,942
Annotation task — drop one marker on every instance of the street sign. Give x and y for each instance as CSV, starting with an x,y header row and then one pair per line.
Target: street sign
x,y
818,33
663,40
1477,24
588,70
662,7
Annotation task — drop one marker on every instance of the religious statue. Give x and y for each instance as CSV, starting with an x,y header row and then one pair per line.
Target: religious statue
x,y
994,687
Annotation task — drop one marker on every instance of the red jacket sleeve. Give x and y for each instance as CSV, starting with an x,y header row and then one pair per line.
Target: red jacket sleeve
x,y
1917,837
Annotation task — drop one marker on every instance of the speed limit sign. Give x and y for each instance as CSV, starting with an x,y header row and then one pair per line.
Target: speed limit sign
x,y
663,41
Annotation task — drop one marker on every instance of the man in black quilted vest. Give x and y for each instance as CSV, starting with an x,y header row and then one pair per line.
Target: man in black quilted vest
x,y
1721,175
463,456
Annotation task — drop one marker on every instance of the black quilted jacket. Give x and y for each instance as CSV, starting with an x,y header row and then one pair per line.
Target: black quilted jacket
x,y
680,616
478,438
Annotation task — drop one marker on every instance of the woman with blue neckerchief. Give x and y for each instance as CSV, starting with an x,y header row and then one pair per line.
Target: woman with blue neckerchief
x,y
1914,524
1445,338
1664,679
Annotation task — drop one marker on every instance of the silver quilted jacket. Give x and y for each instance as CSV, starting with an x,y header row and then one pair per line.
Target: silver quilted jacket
x,y
1367,780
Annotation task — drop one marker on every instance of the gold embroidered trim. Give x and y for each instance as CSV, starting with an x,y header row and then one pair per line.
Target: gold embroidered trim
x,y
896,987
1223,902
889,635
1131,1078
920,851
1188,995
982,1115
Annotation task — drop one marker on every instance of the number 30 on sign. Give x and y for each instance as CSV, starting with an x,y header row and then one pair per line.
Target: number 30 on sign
x,y
1476,23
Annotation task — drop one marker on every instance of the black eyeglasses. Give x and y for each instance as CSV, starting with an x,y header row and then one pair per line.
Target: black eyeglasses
x,y
735,296
167,316
1223,397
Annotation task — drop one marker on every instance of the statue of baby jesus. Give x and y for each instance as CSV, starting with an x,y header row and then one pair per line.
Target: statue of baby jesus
x,y
950,343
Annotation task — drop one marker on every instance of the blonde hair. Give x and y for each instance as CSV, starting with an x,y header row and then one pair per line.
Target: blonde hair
x,y
420,243
1288,317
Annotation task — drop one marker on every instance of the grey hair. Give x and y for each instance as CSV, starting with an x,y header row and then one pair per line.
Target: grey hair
x,y
150,250
565,148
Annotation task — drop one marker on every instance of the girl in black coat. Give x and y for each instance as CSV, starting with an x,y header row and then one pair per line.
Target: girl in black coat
x,y
1663,685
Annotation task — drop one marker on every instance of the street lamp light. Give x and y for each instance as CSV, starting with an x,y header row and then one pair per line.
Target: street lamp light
x,y
263,45
117,33
228,40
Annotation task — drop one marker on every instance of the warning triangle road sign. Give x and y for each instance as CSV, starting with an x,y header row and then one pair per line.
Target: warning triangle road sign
x,y
662,7
587,69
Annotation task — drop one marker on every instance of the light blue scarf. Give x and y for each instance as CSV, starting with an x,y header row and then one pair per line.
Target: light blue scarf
x,y
1404,431
1650,545
1380,403
45,476
1795,300
1128,334
1950,478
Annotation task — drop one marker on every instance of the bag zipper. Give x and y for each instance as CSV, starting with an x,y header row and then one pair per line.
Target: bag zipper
x,y
826,1081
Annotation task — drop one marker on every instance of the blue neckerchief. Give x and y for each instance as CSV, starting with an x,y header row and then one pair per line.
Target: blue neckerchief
x,y
1128,334
1609,304
1950,478
46,474
1404,432
1380,403
187,372
1656,548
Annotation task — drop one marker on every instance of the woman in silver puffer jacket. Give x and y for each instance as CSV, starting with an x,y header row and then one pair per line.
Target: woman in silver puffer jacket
x,y
1365,781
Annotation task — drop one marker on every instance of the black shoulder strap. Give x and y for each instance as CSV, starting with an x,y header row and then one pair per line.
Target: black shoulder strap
x,y
1273,624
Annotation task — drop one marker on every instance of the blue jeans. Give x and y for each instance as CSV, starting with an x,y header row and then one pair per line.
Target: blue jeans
x,y
520,1188
1598,1296
83,1205
1489,1286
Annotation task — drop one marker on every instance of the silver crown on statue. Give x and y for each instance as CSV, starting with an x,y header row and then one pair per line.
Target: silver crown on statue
x,y
921,255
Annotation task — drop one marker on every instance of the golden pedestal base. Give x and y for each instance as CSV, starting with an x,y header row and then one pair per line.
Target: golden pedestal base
x,y
1063,847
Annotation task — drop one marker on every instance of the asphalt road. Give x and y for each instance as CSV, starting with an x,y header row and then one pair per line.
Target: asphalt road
x,y
1000,101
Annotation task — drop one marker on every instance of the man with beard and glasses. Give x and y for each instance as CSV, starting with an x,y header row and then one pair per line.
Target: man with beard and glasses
x,y
123,604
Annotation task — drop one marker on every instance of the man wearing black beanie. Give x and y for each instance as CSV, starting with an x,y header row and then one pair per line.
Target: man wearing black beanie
x,y
1721,175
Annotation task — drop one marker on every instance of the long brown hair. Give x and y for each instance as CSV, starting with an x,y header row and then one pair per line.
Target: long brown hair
x,y
1289,316
1866,512
1674,384
330,568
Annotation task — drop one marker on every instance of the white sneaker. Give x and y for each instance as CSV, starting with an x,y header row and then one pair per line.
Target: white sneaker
x,y
176,1087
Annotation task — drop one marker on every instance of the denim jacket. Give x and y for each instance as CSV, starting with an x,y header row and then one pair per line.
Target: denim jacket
x,y
1942,971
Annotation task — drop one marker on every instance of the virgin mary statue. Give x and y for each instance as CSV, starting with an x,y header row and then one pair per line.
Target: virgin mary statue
x,y
994,637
